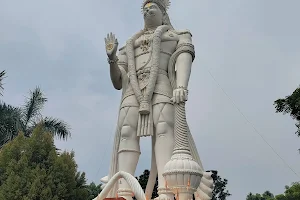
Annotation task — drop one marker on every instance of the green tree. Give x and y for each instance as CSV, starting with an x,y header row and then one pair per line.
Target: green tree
x,y
290,105
81,192
25,119
10,123
143,179
30,169
291,192
265,196
2,74
219,192
94,190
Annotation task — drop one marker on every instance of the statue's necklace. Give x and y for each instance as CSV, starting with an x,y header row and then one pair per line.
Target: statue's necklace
x,y
146,41
156,41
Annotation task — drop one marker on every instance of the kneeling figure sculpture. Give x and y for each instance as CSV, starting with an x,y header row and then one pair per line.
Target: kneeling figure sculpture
x,y
153,71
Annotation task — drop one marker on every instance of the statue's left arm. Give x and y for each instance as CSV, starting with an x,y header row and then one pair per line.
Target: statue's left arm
x,y
183,66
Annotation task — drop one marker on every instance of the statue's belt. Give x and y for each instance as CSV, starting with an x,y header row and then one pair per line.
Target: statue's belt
x,y
143,78
143,74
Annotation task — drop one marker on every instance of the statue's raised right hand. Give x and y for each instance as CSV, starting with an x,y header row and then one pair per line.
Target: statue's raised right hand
x,y
111,45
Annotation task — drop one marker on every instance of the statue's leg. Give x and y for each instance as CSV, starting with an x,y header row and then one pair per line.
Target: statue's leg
x,y
129,149
163,116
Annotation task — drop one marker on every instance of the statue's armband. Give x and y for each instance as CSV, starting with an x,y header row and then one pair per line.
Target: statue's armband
x,y
185,44
122,62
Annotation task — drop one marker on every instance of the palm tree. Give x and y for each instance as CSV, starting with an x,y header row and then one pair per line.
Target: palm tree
x,y
10,123
32,116
14,120
2,74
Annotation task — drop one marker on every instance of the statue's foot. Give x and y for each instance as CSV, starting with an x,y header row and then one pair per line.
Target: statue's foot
x,y
165,197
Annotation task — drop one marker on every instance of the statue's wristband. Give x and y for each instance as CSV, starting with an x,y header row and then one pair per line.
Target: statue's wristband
x,y
182,87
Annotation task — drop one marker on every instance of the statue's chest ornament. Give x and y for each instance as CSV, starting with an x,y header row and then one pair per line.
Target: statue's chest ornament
x,y
145,44
143,74
146,40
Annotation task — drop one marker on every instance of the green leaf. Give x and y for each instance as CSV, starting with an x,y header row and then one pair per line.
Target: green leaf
x,y
33,105
30,169
10,123
2,74
57,127
290,105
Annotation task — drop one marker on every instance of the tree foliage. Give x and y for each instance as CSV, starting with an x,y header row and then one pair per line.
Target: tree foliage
x,y
10,123
291,193
25,119
30,169
220,192
265,196
2,74
143,179
94,190
290,105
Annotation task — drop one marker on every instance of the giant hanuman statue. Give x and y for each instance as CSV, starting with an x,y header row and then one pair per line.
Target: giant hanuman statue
x,y
153,71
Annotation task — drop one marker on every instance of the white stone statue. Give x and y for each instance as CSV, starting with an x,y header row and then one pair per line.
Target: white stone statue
x,y
142,70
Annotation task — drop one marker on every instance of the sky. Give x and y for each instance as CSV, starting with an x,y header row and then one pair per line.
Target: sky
x,y
247,56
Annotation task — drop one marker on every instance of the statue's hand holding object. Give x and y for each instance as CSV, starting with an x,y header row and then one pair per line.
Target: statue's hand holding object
x,y
180,95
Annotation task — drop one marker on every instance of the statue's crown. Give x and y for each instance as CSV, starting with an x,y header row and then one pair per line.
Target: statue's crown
x,y
164,4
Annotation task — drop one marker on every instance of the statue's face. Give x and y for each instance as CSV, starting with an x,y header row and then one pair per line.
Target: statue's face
x,y
152,13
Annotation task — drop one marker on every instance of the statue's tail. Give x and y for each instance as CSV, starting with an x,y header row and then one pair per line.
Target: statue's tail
x,y
132,182
114,168
153,173
204,192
